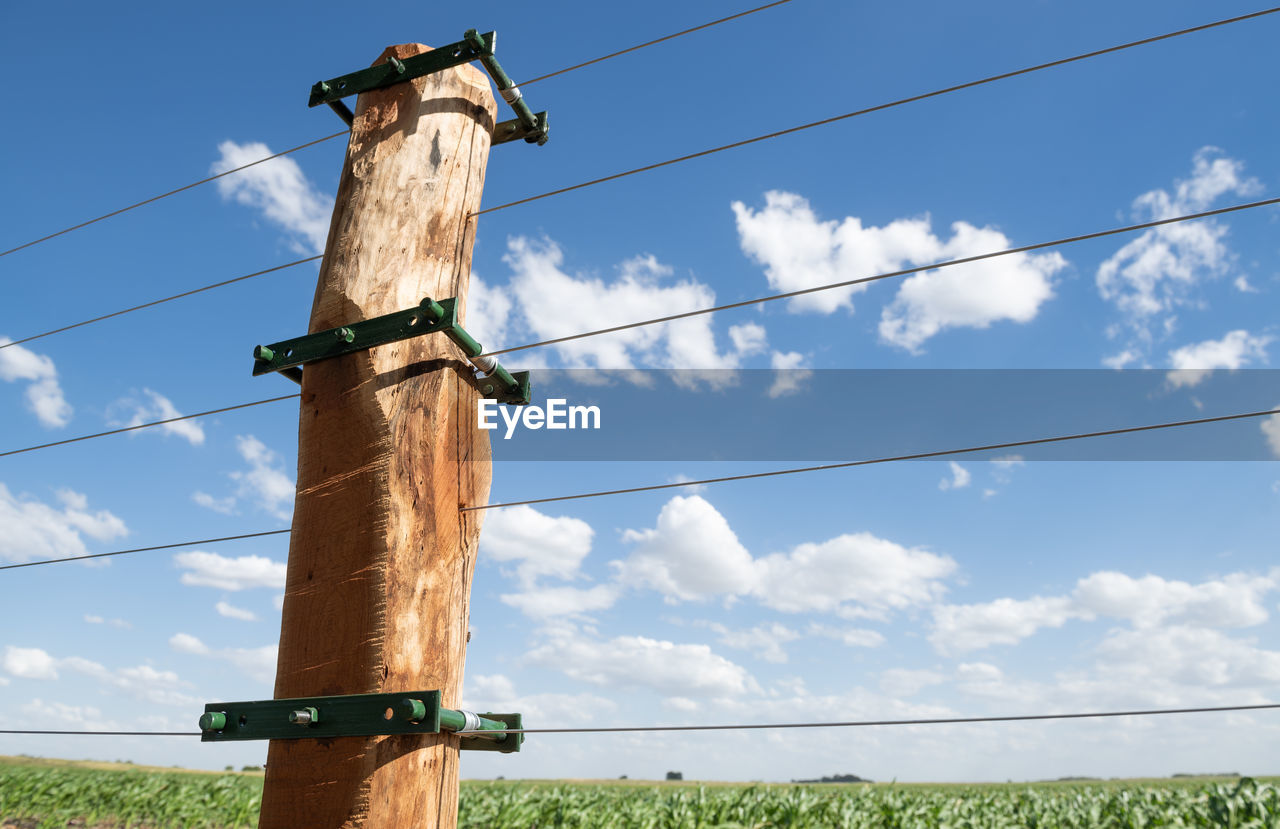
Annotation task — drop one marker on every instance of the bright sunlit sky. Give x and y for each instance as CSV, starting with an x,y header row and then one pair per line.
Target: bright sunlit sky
x,y
931,589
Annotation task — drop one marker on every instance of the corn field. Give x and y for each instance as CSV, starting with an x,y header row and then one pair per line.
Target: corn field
x,y
1242,804
33,796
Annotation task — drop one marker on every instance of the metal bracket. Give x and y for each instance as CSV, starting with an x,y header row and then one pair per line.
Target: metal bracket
x,y
515,130
358,715
493,381
533,129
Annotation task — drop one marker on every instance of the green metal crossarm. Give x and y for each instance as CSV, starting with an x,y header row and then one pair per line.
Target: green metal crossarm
x,y
395,70
527,126
356,336
430,316
357,715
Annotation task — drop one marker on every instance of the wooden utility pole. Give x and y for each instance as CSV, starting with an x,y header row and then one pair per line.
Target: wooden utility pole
x,y
381,560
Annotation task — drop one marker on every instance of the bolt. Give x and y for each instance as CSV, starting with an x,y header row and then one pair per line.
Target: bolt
x,y
412,710
394,61
304,716
213,721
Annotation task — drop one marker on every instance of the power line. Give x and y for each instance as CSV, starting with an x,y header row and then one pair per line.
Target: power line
x,y
789,295
149,425
144,549
879,107
653,42
864,723
170,193
891,274
868,462
161,301
106,733
1148,712
347,132
714,309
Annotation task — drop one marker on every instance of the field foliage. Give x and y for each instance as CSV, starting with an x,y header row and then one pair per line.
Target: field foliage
x,y
58,795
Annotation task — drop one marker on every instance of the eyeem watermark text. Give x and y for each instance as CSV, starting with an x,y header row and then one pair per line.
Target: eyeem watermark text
x,y
558,414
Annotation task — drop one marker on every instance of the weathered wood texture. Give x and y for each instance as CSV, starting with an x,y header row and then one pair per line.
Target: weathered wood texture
x,y
380,561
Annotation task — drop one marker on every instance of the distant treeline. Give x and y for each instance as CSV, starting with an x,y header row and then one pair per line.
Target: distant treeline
x,y
838,778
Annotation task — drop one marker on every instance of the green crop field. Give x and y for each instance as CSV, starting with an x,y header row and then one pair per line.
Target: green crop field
x,y
36,793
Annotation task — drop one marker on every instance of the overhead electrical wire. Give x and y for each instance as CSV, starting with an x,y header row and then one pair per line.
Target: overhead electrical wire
x,y
347,132
1144,712
713,309
101,733
879,107
145,549
1147,712
891,274
161,301
741,143
775,473
654,42
889,105
148,425
942,453
181,189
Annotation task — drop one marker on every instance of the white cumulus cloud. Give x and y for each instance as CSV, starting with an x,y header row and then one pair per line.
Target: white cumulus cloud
x,y
959,628
1232,601
851,637
155,407
488,313
852,575
799,251
693,554
186,643
242,573
265,484
541,544
1006,288
257,663
44,394
1157,273
1271,431
233,612
31,529
689,670
765,641
1235,600
550,303
29,663
789,373
142,681
279,189
548,602
960,477
495,692
905,682
1237,349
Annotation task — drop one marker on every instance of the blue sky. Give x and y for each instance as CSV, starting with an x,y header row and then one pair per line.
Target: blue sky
x,y
915,590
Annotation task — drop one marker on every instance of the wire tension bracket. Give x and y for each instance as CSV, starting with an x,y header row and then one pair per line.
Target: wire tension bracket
x,y
527,125
430,316
357,715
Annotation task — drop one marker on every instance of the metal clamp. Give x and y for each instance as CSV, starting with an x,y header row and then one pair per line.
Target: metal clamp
x,y
532,128
358,715
430,316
